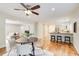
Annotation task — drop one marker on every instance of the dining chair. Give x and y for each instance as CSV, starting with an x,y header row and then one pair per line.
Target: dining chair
x,y
10,44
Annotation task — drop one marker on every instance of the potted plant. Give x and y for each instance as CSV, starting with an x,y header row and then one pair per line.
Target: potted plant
x,y
27,33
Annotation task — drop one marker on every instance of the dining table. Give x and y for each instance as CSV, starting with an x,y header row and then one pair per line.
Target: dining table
x,y
31,40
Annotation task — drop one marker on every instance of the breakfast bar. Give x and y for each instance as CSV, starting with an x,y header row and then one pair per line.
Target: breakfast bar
x,y
63,37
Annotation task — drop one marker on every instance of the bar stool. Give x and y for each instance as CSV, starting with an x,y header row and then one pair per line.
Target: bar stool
x,y
52,37
59,38
67,39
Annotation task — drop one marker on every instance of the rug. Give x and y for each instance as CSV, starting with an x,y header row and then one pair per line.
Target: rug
x,y
25,50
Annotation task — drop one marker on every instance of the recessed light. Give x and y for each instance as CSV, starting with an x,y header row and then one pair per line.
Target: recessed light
x,y
53,9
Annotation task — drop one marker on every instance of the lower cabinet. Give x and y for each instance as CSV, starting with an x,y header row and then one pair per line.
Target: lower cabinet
x,y
63,37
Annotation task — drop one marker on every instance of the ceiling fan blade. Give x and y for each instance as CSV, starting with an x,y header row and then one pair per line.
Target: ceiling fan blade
x,y
35,7
23,5
35,13
19,9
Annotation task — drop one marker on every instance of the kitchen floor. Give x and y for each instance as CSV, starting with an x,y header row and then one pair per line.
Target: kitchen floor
x,y
58,49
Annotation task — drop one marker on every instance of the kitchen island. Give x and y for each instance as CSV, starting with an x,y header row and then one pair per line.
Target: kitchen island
x,y
62,36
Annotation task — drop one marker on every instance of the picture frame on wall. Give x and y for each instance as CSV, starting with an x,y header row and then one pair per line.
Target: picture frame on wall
x,y
75,27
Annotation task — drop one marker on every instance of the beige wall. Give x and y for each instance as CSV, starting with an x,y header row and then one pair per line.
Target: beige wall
x,y
2,32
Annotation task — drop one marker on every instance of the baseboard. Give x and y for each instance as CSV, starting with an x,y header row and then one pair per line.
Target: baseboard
x,y
76,49
2,47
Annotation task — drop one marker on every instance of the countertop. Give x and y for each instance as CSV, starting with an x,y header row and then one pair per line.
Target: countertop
x,y
62,33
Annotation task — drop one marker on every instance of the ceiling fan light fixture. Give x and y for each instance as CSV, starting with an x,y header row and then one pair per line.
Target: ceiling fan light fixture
x,y
27,12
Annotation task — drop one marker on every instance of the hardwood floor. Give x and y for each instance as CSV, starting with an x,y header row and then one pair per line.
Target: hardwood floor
x,y
58,49
2,51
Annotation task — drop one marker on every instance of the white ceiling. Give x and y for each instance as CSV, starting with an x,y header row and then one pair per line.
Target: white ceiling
x,y
45,11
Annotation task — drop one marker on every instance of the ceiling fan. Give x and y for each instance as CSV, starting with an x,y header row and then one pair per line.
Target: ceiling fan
x,y
28,9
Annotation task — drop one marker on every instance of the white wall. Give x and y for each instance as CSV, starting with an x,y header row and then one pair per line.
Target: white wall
x,y
18,26
32,27
43,30
2,32
24,27
12,28
76,35
36,28
40,30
